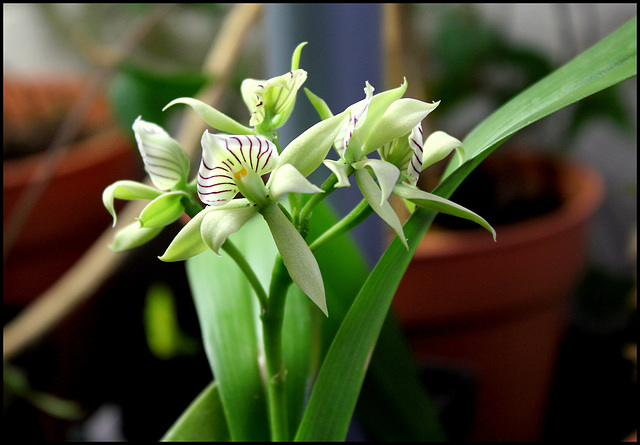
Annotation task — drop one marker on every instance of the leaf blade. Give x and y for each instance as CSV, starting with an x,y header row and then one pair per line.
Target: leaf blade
x,y
202,421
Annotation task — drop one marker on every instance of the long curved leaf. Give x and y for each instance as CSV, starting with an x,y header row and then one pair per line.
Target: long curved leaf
x,y
338,385
227,310
229,318
202,421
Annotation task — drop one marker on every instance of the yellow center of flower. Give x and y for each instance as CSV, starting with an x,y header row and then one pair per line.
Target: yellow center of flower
x,y
240,174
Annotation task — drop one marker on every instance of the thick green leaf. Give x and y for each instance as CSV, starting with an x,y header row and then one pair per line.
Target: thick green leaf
x,y
338,385
228,313
296,341
393,404
202,421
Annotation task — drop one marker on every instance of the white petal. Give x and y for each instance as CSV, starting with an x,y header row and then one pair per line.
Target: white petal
x,y
164,160
276,94
227,159
416,141
345,133
439,204
307,151
356,116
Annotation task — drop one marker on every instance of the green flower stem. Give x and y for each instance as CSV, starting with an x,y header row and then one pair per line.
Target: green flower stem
x,y
192,207
355,217
272,320
242,263
328,187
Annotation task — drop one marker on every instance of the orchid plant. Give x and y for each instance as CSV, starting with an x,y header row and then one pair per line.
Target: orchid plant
x,y
288,311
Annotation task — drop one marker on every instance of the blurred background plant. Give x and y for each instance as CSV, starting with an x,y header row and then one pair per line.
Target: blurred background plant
x,y
473,57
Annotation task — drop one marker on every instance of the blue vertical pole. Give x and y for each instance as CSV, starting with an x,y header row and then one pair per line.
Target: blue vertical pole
x,y
344,50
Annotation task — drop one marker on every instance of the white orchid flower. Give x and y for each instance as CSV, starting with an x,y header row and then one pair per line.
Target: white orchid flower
x,y
370,124
271,101
168,167
411,154
233,164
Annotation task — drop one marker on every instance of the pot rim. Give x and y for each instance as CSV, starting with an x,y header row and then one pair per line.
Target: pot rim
x,y
79,155
582,191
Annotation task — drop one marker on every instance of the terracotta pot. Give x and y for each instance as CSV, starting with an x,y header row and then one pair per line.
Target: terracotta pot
x,y
499,309
69,215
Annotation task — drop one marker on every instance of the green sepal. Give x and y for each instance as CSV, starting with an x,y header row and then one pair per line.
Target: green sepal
x,y
188,242
319,104
132,235
386,173
373,194
398,120
307,151
438,146
296,255
377,107
218,225
163,210
127,190
287,179
295,58
213,117
341,169
439,204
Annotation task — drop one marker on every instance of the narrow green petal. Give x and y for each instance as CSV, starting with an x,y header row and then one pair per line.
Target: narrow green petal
x,y
386,173
188,242
213,117
319,104
163,210
132,235
218,225
341,170
295,59
435,202
399,119
286,179
298,259
372,193
438,146
126,190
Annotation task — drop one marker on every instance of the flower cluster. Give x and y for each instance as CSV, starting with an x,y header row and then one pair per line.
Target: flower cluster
x,y
243,173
